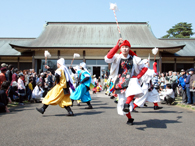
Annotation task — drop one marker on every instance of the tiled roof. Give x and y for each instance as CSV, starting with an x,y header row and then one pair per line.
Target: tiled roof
x,y
7,50
188,50
96,35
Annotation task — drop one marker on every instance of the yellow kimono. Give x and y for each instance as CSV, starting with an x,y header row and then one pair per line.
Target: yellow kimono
x,y
56,94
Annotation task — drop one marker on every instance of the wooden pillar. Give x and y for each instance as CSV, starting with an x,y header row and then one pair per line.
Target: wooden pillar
x,y
175,64
18,63
160,62
58,54
194,63
84,56
33,60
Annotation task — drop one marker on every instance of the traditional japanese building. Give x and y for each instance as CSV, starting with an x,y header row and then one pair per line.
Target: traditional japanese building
x,y
92,40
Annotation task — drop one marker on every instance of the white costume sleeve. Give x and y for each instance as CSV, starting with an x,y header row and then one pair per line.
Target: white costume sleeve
x,y
138,65
141,65
151,72
112,60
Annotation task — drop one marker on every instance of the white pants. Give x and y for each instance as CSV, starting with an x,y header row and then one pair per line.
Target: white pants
x,y
151,96
121,101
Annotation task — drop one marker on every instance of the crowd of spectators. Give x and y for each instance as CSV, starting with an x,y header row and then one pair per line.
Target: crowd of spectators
x,y
182,83
23,85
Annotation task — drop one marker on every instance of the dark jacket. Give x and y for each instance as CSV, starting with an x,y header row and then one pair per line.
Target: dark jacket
x,y
34,82
3,97
12,91
9,75
188,81
50,81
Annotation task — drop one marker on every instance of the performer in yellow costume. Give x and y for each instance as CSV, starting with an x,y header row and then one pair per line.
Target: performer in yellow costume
x,y
60,93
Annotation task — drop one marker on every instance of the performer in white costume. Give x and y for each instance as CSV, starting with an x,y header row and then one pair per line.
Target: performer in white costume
x,y
125,71
150,93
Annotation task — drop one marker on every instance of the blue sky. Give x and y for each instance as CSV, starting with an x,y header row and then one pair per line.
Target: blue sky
x,y
26,18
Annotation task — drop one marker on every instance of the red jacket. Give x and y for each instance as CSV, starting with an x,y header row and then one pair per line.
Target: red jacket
x,y
2,78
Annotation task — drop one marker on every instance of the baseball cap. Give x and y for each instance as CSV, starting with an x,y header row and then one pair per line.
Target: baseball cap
x,y
4,65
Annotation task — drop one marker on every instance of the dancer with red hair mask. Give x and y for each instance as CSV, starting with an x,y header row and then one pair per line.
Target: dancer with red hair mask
x,y
125,71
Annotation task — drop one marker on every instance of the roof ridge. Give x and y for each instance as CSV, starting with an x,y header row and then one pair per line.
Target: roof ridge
x,y
15,38
176,38
96,22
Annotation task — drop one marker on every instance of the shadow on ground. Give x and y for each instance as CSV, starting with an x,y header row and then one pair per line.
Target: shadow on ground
x,y
77,114
18,108
156,123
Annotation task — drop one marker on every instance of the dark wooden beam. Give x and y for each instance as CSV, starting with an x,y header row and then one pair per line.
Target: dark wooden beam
x,y
84,56
58,54
18,63
194,62
175,64
33,60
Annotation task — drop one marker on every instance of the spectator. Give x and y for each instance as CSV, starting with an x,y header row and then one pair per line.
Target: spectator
x,y
4,65
41,77
192,80
13,90
37,93
178,75
167,95
102,78
45,85
30,86
182,84
187,81
162,81
168,76
2,75
33,78
26,76
173,81
15,75
9,73
50,80
21,88
4,100
38,77
29,89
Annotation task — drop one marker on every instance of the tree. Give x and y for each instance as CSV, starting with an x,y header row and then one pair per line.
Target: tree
x,y
180,30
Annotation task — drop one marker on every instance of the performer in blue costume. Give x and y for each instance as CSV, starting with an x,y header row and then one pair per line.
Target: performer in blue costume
x,y
82,91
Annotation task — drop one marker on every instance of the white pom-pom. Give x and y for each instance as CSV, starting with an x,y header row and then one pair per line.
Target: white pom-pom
x,y
76,55
155,51
47,54
113,6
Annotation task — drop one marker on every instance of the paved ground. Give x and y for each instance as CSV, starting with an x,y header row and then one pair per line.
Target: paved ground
x,y
24,126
